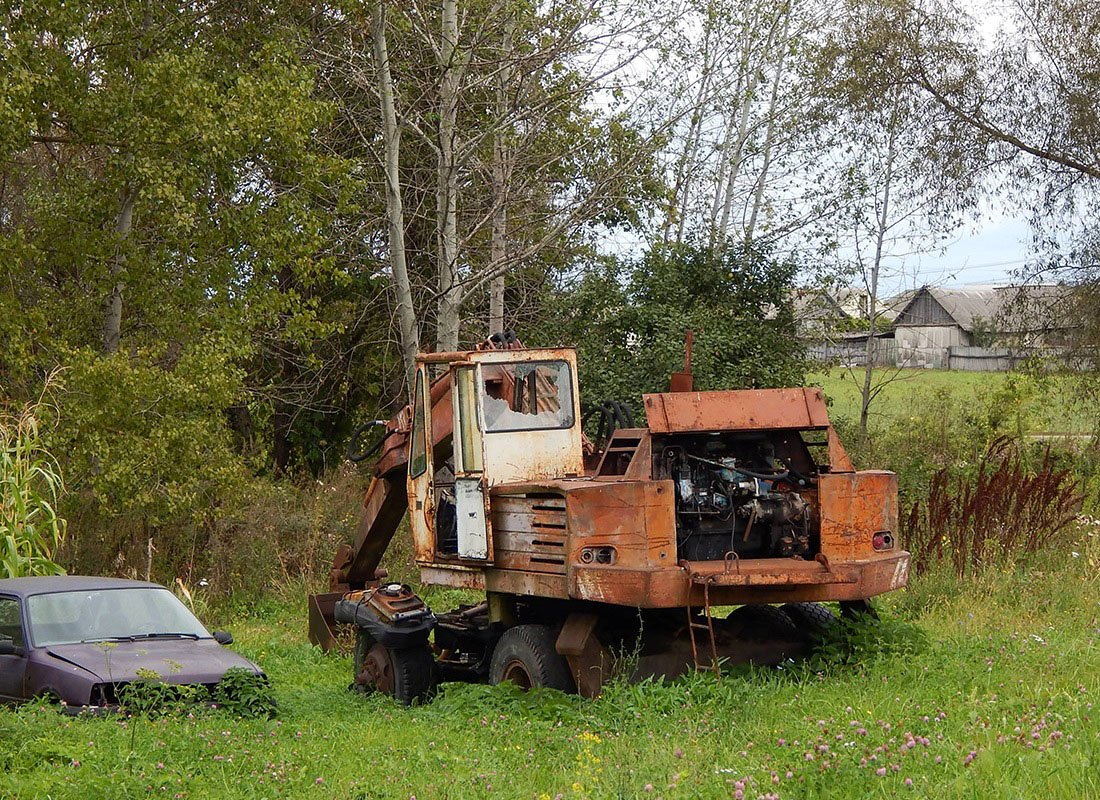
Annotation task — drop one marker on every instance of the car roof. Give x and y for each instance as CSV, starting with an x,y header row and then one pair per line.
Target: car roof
x,y
24,587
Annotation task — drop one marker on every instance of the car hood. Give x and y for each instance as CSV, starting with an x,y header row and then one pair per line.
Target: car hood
x,y
174,660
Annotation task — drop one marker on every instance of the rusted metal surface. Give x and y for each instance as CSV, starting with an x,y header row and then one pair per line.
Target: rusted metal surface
x,y
529,532
321,622
760,581
384,506
377,673
852,507
457,577
755,409
611,538
589,661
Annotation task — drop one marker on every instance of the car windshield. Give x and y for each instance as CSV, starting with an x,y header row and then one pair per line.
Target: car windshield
x,y
109,614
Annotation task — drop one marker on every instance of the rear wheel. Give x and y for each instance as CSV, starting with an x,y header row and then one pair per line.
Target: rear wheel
x,y
763,623
813,619
405,674
525,656
853,609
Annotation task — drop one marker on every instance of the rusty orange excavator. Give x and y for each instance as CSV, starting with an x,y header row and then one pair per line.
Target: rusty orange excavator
x,y
610,558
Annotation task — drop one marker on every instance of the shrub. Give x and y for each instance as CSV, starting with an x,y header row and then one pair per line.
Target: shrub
x,y
1004,511
30,487
243,693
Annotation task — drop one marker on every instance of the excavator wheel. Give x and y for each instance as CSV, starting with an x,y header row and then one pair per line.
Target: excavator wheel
x,y
763,623
525,656
405,674
813,619
853,609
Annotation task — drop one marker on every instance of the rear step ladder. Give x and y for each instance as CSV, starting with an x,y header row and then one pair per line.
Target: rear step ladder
x,y
693,626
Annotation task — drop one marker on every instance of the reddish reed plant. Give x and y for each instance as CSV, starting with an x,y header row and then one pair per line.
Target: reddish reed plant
x,y
1003,512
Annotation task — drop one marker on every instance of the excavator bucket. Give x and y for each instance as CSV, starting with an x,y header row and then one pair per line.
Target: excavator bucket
x,y
322,623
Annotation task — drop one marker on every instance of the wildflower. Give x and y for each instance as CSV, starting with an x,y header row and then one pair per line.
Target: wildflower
x,y
881,771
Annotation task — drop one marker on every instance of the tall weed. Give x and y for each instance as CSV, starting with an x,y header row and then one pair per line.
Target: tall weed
x,y
31,530
1001,513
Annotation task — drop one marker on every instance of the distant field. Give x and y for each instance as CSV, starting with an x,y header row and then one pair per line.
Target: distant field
x,y
1049,404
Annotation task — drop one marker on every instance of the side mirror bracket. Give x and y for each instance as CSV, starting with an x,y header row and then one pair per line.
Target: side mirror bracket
x,y
9,648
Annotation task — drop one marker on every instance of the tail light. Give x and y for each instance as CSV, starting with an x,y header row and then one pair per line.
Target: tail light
x,y
883,540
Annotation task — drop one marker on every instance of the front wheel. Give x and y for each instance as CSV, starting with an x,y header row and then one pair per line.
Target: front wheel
x,y
525,656
405,674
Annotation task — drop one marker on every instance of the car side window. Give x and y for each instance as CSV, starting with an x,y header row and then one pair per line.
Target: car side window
x,y
11,621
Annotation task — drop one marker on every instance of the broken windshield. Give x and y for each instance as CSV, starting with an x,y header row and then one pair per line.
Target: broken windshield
x,y
536,395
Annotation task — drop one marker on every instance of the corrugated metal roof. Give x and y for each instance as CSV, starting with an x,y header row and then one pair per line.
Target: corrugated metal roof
x,y
1007,309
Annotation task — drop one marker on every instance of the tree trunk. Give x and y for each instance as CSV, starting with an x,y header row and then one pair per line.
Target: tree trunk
x,y
769,137
112,324
395,213
751,81
677,204
876,266
498,249
450,293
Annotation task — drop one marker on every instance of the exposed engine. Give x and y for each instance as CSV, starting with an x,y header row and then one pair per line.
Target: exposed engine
x,y
735,493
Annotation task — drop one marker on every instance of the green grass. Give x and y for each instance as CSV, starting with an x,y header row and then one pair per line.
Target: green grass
x,y
1051,404
1010,674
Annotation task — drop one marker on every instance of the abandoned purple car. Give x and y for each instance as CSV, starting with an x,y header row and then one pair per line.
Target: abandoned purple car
x,y
78,640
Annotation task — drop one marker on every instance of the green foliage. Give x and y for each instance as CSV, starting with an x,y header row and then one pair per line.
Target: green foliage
x,y
628,322
862,640
240,693
243,693
31,486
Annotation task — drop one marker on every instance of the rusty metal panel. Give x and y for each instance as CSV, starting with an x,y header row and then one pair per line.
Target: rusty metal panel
x,y
533,561
531,584
853,506
753,409
528,542
458,577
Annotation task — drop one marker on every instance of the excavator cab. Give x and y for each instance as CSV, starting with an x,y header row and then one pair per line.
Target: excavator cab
x,y
514,416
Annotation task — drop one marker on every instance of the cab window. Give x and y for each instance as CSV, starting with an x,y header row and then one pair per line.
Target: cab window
x,y
418,448
527,396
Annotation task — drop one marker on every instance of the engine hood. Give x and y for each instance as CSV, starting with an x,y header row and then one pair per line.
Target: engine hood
x,y
174,660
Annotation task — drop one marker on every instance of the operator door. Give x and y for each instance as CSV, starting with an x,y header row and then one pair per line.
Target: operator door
x,y
471,496
419,486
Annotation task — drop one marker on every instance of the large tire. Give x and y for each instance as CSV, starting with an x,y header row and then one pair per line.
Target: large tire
x,y
813,619
405,674
763,623
525,656
854,609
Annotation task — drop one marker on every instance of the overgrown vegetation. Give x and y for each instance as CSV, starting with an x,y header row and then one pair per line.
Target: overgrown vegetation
x,y
239,693
1003,511
949,696
31,530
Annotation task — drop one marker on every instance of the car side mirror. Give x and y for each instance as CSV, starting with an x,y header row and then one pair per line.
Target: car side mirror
x,y
9,648
223,637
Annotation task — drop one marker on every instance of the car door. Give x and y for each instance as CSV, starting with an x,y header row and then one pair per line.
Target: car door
x,y
13,666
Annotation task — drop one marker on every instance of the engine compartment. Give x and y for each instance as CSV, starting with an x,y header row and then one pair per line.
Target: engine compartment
x,y
752,494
